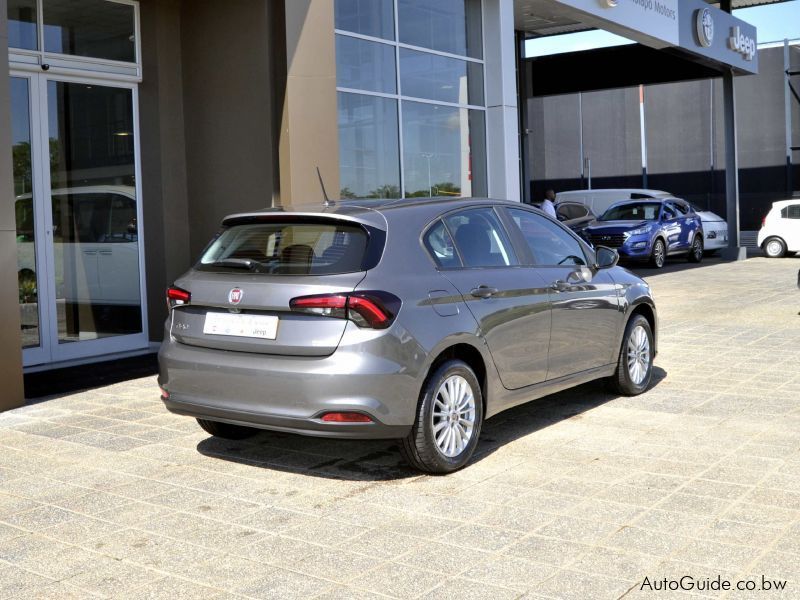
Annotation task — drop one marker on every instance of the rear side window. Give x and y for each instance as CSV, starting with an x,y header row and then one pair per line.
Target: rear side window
x,y
566,212
288,248
791,212
481,239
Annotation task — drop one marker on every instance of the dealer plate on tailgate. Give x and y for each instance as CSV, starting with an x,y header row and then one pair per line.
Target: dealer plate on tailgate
x,y
251,326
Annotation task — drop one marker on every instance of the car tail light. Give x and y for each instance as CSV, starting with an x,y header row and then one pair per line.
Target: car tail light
x,y
177,297
346,417
164,394
764,221
375,310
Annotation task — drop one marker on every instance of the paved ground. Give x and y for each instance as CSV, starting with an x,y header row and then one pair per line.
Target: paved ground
x,y
581,495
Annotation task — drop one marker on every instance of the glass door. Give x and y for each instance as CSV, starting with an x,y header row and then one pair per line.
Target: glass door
x,y
78,218
31,257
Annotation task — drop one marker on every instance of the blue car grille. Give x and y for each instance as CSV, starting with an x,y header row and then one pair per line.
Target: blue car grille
x,y
611,240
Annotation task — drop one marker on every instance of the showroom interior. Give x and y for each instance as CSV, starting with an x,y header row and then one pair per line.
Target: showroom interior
x,y
128,129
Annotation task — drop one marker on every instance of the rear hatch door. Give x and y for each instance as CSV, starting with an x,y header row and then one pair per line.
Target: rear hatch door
x,y
243,285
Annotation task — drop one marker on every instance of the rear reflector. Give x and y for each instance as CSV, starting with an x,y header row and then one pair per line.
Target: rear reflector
x,y
375,310
177,297
346,417
164,394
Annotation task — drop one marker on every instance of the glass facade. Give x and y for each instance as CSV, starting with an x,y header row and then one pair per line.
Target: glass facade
x,y
412,114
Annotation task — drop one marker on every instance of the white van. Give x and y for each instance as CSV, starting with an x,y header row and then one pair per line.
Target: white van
x,y
780,230
715,228
95,241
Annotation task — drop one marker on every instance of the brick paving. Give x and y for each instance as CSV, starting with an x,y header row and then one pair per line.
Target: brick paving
x,y
579,495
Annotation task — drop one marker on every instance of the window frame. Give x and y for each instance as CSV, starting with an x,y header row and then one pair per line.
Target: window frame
x,y
69,64
399,97
514,246
518,238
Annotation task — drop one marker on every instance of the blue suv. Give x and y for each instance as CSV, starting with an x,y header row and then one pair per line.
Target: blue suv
x,y
649,230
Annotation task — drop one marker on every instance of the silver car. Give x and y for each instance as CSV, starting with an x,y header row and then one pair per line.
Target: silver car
x,y
402,319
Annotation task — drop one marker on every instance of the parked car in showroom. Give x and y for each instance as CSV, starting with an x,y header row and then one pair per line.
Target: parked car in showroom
x,y
780,229
649,230
398,319
715,228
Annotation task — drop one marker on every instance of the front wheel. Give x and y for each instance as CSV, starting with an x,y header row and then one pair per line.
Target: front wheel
x,y
227,431
659,254
774,247
696,251
448,421
635,364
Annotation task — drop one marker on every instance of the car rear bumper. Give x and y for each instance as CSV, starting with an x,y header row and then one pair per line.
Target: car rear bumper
x,y
290,393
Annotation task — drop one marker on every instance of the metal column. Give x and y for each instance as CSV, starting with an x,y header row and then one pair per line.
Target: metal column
x,y
733,251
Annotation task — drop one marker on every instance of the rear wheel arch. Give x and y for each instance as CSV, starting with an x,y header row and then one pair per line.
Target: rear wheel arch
x,y
471,356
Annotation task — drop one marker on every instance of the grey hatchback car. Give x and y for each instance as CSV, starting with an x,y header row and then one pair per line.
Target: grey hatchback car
x,y
398,319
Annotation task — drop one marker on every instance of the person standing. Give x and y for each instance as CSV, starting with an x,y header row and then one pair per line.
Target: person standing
x,y
548,204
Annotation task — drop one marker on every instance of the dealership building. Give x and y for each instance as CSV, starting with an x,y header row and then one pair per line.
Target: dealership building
x,y
128,129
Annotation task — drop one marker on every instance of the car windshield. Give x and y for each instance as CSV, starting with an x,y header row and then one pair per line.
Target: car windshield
x,y
633,211
288,248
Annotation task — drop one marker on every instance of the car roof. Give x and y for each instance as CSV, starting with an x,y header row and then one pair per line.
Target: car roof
x,y
786,202
123,190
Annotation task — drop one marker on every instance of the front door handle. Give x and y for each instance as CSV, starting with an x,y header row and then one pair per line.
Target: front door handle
x,y
560,286
483,291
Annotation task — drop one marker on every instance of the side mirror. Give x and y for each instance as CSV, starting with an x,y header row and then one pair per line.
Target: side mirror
x,y
606,257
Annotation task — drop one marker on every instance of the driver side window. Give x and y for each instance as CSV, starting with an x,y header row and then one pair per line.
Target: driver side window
x,y
549,243
667,212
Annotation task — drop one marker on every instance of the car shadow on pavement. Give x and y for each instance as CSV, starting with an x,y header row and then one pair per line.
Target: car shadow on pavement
x,y
380,460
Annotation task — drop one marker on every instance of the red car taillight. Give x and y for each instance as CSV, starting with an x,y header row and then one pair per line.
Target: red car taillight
x,y
764,221
177,297
375,310
346,417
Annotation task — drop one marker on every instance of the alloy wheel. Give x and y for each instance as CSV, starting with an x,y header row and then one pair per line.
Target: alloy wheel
x,y
638,355
453,416
658,254
697,249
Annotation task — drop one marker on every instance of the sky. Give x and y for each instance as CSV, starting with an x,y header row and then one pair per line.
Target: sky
x,y
774,22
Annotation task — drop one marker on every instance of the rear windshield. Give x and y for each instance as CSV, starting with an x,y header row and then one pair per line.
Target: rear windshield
x,y
288,248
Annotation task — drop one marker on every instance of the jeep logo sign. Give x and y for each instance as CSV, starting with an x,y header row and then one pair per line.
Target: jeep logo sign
x,y
744,45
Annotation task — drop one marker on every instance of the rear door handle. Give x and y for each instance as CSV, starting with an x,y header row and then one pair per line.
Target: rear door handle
x,y
484,291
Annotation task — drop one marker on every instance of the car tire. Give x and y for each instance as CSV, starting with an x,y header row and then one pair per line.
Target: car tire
x,y
227,431
635,363
774,247
696,251
659,255
437,443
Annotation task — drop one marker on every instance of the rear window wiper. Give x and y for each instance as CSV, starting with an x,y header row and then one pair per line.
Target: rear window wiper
x,y
237,263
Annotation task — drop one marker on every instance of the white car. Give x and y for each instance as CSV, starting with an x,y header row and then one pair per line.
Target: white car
x,y
780,230
95,243
715,228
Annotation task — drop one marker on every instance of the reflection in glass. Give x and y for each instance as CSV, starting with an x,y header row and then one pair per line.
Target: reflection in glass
x,y
365,65
23,209
94,28
452,26
22,24
444,150
95,235
435,77
367,17
369,153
